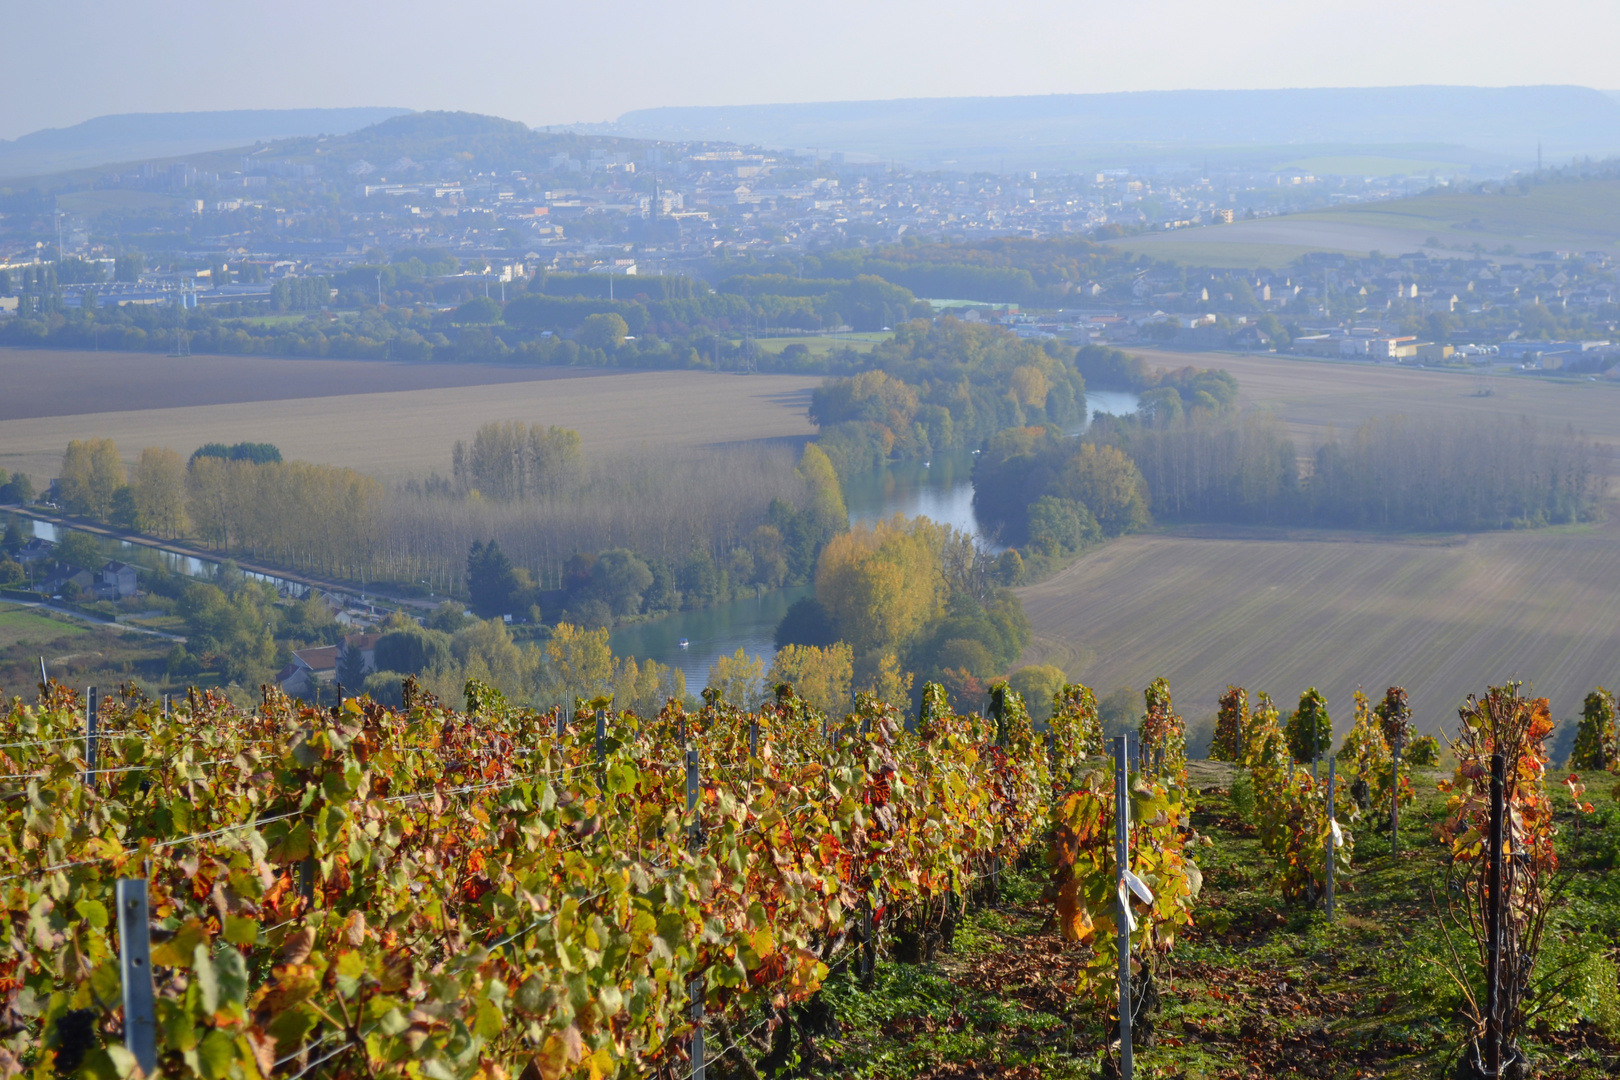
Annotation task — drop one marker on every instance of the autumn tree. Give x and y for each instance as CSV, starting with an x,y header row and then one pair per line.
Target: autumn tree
x,y
643,688
160,491
1038,685
91,475
579,663
826,494
516,461
882,582
739,679
485,651
822,676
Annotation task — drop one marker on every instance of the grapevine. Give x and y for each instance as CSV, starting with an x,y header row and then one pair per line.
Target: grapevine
x,y
373,892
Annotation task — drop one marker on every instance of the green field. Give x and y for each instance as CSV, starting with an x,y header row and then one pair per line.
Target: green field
x,y
21,627
1578,216
822,344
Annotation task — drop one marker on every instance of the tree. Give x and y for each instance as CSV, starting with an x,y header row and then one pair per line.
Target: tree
x,y
91,473
124,512
579,663
385,688
18,490
351,666
1110,485
485,651
806,623
448,617
1309,729
1119,711
739,679
604,330
618,578
80,549
826,506
412,650
236,629
882,583
1061,526
480,309
160,491
491,579
511,461
887,682
822,676
1037,685
644,688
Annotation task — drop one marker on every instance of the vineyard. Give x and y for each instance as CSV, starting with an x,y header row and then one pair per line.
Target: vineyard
x,y
203,890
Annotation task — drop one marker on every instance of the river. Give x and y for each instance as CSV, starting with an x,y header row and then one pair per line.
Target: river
x,y
941,489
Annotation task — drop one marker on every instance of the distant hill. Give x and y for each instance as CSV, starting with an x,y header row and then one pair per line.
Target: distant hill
x,y
432,140
145,136
1451,125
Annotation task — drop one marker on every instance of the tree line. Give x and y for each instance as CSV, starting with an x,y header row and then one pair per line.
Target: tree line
x,y
1051,495
705,526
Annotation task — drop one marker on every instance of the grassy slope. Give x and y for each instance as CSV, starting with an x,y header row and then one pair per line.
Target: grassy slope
x,y
1577,216
22,627
1257,989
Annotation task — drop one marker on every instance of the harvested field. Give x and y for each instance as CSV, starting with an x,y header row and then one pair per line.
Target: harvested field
x,y
1312,396
1441,617
62,382
398,433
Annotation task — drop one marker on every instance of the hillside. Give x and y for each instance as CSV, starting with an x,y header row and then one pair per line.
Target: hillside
x,y
1579,215
143,136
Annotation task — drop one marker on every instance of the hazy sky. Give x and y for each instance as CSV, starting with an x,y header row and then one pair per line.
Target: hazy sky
x,y
545,62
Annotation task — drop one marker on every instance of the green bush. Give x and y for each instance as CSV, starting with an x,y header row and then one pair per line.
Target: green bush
x,y
1423,752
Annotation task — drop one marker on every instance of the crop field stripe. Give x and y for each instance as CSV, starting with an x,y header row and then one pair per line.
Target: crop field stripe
x,y
1280,615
